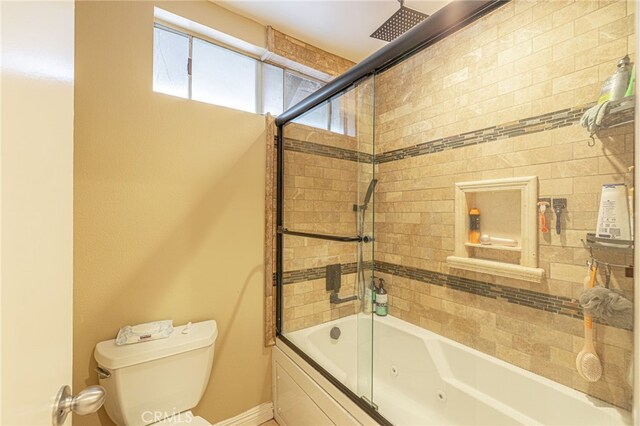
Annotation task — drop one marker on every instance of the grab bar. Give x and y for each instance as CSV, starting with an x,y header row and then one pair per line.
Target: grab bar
x,y
357,238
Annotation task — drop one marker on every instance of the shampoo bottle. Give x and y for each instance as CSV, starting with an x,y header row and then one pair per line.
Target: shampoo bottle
x,y
615,87
474,226
381,300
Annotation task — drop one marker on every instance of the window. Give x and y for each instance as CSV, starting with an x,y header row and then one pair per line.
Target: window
x,y
272,89
170,58
297,88
192,68
223,77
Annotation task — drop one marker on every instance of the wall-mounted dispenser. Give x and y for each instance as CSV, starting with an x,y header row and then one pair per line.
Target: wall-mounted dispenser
x,y
614,220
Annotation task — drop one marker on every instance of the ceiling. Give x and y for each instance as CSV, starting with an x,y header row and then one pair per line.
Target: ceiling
x,y
341,27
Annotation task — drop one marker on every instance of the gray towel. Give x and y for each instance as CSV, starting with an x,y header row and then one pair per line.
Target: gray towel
x,y
592,118
608,306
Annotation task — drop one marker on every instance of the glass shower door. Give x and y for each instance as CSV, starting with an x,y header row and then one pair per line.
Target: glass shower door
x,y
328,237
364,99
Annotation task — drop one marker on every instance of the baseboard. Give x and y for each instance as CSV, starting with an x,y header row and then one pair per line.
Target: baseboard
x,y
252,417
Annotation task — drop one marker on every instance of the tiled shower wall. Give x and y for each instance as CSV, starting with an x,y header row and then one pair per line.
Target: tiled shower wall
x,y
305,54
502,98
326,173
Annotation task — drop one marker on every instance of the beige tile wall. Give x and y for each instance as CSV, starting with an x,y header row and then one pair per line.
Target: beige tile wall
x,y
524,59
306,303
319,194
306,54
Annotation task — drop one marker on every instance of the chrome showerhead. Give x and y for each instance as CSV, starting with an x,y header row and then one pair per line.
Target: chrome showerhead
x,y
399,23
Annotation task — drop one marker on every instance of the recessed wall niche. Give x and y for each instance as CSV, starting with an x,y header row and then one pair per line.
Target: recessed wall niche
x,y
507,211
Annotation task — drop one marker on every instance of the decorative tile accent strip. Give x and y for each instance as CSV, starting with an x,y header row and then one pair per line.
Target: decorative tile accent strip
x,y
300,275
526,126
327,151
532,299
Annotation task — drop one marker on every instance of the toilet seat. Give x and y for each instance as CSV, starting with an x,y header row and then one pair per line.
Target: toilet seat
x,y
184,418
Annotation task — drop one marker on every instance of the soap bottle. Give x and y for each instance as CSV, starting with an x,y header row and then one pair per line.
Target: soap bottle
x,y
381,300
474,226
615,87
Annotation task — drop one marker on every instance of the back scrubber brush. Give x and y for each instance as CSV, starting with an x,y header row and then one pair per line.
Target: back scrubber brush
x,y
587,361
399,23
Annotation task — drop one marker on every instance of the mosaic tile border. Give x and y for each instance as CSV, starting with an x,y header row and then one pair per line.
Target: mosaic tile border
x,y
327,151
291,277
526,126
532,299
300,275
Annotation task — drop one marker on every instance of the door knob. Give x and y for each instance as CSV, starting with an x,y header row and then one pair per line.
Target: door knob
x,y
88,401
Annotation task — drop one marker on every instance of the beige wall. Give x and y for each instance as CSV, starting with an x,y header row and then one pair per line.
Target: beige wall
x,y
169,200
36,200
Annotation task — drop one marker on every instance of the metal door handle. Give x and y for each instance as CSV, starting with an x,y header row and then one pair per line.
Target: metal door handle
x,y
88,401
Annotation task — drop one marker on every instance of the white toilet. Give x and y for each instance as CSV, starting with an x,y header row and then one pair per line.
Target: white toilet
x,y
158,381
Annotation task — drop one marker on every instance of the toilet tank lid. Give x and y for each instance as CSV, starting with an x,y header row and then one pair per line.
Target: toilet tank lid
x,y
200,335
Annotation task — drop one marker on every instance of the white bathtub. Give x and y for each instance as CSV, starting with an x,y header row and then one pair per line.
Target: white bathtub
x,y
421,378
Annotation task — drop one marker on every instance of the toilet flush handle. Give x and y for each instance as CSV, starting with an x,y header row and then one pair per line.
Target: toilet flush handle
x,y
103,373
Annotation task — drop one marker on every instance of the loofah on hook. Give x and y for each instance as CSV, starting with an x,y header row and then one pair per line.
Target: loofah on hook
x,y
608,306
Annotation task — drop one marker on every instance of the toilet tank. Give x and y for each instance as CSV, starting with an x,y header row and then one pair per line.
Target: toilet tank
x,y
157,379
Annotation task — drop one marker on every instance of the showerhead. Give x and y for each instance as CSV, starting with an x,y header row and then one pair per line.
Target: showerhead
x,y
369,193
367,197
399,23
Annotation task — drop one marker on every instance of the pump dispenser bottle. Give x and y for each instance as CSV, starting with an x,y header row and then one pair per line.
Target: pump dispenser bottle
x,y
382,308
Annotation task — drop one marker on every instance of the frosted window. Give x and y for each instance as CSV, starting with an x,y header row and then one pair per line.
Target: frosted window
x,y
297,88
272,89
170,56
223,77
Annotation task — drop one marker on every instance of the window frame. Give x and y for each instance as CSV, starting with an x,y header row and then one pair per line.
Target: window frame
x,y
259,101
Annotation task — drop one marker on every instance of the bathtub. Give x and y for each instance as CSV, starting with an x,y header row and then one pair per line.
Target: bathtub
x,y
422,378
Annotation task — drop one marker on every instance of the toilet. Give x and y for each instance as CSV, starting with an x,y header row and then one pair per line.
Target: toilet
x,y
159,381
